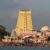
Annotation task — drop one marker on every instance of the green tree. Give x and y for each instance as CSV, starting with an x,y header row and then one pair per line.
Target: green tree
x,y
3,32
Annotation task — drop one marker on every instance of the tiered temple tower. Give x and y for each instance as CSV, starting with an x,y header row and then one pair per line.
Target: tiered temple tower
x,y
24,22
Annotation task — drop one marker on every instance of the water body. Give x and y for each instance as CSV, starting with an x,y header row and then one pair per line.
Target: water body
x,y
21,48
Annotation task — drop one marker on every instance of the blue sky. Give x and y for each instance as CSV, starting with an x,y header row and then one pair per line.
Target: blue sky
x,y
9,12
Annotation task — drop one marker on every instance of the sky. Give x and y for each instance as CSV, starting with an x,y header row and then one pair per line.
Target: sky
x,y
9,12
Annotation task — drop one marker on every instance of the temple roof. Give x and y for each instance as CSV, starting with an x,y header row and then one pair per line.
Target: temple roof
x,y
45,28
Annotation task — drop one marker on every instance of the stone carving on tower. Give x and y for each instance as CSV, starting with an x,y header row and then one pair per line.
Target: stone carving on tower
x,y
24,22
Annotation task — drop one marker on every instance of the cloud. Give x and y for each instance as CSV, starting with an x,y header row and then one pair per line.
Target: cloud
x,y
8,7
9,11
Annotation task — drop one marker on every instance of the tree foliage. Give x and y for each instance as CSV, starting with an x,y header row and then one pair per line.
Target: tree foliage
x,y
3,32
